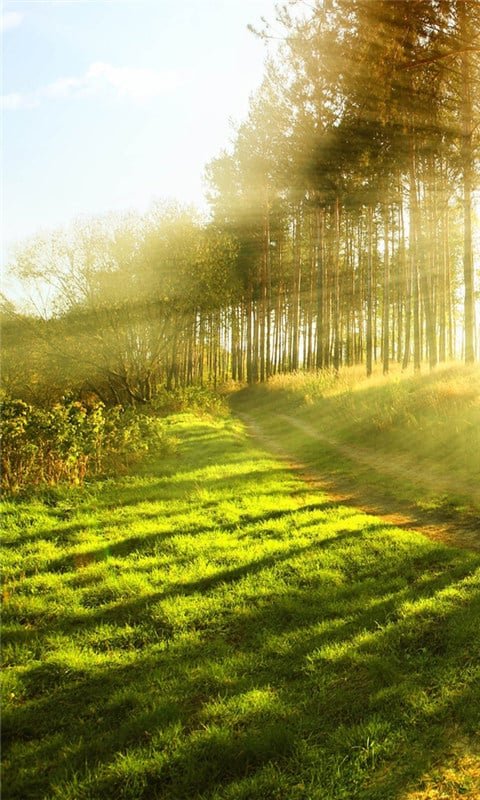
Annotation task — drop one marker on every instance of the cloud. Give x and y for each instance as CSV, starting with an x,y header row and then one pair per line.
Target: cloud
x,y
137,84
15,100
132,83
62,87
11,19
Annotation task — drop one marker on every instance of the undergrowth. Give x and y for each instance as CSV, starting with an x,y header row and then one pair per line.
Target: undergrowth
x,y
71,441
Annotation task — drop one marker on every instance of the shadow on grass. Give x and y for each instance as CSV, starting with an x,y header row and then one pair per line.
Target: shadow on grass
x,y
369,683
369,488
305,667
423,420
147,543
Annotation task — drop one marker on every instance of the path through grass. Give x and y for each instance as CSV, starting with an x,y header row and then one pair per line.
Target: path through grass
x,y
404,446
216,628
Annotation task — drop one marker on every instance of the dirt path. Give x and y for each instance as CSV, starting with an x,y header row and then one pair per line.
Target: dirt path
x,y
346,491
402,468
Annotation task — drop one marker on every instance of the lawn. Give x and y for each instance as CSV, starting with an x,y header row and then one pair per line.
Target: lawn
x,y
213,626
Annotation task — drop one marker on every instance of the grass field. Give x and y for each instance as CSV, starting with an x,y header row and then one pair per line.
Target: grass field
x,y
405,443
215,627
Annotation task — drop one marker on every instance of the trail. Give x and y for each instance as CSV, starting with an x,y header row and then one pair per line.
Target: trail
x,y
404,516
402,468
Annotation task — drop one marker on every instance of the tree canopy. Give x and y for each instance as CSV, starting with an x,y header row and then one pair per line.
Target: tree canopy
x,y
342,225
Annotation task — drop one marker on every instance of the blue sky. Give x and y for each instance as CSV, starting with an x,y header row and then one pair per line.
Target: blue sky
x,y
110,104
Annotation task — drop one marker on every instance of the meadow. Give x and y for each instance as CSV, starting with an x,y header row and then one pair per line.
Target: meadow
x,y
213,625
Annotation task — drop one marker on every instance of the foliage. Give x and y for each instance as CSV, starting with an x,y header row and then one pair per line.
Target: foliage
x,y
342,226
116,298
189,398
71,441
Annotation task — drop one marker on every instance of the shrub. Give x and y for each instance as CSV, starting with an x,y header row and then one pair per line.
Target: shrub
x,y
189,398
72,440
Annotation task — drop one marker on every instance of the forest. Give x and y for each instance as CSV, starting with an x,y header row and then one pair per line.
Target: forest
x,y
241,448
342,228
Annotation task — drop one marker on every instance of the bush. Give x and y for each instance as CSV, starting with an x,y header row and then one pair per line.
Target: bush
x,y
71,441
189,398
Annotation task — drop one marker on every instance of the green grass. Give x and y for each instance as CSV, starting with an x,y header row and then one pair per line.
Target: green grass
x,y
398,443
214,627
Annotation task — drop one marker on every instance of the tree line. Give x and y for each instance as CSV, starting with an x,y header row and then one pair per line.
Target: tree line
x,y
342,225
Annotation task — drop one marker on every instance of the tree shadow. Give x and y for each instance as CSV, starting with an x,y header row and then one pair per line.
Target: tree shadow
x,y
275,642
334,652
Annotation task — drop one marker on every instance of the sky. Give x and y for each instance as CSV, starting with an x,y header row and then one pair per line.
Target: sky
x,y
110,104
